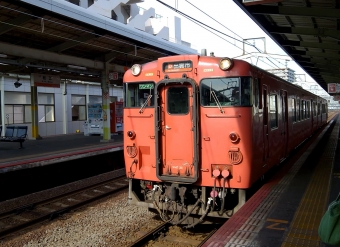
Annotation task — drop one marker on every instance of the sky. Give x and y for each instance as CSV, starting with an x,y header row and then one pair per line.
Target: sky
x,y
227,18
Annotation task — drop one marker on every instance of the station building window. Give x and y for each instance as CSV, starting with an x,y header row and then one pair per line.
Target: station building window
x,y
97,99
78,107
273,111
17,108
46,107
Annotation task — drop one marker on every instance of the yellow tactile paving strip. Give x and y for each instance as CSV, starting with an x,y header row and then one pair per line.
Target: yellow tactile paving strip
x,y
303,230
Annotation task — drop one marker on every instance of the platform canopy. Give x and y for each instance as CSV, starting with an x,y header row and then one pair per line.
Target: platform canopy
x,y
307,30
60,38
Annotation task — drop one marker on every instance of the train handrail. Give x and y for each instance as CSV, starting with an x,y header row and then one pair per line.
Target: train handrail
x,y
222,116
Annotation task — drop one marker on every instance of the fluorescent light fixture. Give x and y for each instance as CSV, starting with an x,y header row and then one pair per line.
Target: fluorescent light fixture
x,y
3,55
76,67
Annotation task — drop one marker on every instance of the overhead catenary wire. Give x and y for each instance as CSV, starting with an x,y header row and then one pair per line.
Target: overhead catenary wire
x,y
230,31
209,28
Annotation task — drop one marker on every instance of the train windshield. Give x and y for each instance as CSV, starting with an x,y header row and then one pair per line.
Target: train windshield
x,y
139,95
232,91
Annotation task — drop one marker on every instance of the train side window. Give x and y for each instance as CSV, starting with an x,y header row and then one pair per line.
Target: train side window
x,y
298,116
302,109
293,110
314,109
273,111
318,108
308,109
323,108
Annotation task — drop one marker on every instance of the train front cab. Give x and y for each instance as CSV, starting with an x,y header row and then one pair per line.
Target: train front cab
x,y
208,131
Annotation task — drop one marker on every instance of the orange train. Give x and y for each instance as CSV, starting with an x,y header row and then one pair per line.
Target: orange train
x,y
200,130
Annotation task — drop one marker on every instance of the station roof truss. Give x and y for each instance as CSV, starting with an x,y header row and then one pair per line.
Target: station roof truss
x,y
34,39
307,30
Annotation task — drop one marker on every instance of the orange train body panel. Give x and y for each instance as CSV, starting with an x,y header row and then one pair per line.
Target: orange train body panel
x,y
196,131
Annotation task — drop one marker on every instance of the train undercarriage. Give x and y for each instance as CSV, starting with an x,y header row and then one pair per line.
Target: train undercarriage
x,y
185,204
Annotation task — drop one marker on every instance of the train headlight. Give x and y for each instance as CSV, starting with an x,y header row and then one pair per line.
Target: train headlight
x,y
234,137
136,69
226,63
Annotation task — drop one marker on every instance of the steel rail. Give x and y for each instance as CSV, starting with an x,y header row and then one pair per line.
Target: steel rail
x,y
25,216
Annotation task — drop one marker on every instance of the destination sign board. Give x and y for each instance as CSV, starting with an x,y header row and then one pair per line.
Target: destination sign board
x,y
182,66
146,86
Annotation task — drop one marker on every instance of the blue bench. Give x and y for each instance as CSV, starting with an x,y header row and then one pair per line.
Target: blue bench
x,y
14,134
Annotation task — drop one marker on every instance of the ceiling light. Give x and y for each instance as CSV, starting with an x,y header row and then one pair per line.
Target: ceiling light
x,y
76,67
3,55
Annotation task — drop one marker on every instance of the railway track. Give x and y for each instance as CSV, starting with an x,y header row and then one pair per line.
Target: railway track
x,y
166,234
23,216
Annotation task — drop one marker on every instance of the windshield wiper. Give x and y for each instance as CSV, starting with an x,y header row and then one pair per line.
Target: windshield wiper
x,y
145,103
217,101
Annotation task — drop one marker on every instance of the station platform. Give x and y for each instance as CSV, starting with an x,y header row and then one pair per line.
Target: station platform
x,y
54,149
286,211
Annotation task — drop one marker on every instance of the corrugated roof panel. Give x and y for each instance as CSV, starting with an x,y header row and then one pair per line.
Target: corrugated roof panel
x,y
322,3
280,20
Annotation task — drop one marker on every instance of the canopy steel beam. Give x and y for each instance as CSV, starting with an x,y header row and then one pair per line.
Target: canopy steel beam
x,y
294,11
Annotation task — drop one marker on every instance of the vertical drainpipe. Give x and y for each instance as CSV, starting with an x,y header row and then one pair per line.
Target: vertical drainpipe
x,y
106,105
2,104
34,110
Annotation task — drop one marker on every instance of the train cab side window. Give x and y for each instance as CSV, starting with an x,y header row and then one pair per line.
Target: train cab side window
x,y
246,96
256,92
139,94
273,111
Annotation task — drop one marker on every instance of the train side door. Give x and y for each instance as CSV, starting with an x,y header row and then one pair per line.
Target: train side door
x,y
265,124
312,115
284,122
176,145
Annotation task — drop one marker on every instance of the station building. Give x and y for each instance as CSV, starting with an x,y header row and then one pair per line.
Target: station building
x,y
63,103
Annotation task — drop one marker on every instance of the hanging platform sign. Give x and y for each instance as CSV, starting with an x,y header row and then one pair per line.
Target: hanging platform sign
x,y
333,87
44,80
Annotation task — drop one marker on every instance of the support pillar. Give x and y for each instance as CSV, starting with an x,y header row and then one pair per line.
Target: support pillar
x,y
2,104
65,109
34,110
106,104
